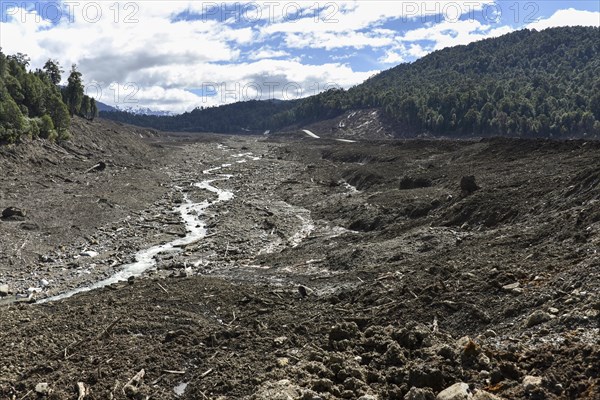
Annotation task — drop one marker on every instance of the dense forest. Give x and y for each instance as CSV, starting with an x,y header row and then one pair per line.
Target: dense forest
x,y
231,118
526,83
33,104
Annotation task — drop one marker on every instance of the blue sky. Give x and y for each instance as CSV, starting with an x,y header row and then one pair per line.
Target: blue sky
x,y
177,55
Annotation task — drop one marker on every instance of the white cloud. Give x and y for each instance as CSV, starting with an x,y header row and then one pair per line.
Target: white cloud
x,y
342,23
417,51
568,17
267,52
392,57
446,34
347,16
164,56
334,40
270,75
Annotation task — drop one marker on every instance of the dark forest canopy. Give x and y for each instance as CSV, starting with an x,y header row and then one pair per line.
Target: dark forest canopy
x,y
33,105
526,83
231,118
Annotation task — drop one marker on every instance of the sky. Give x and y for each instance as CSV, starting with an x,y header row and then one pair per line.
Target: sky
x,y
178,55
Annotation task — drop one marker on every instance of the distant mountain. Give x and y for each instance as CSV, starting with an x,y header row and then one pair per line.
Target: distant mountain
x,y
104,107
136,110
526,83
242,117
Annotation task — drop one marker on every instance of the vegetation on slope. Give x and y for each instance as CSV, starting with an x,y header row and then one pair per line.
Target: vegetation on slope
x,y
238,117
526,83
33,104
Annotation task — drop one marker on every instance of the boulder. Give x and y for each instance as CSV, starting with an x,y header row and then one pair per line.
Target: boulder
x,y
13,213
531,383
4,290
458,391
42,389
419,394
537,317
468,184
483,395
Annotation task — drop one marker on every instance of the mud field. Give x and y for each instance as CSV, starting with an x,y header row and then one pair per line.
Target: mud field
x,y
298,268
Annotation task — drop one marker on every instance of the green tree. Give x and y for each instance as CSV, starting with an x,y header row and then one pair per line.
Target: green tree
x,y
46,127
85,107
74,91
11,119
93,109
21,59
59,113
53,70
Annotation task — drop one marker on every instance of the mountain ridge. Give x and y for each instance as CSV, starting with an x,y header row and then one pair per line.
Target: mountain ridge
x,y
527,83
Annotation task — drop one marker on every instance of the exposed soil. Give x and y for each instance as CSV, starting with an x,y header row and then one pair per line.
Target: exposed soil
x,y
337,271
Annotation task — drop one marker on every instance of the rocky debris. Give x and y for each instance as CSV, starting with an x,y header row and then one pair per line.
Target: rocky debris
x,y
468,184
483,395
530,383
302,290
89,253
43,389
344,331
280,390
385,305
419,394
13,213
409,182
458,391
537,317
132,387
27,226
282,362
101,166
513,288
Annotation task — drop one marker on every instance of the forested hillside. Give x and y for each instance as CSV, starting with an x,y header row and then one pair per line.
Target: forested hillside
x,y
33,104
526,83
231,118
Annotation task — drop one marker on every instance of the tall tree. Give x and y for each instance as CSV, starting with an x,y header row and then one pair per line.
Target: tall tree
x,y
74,91
59,113
21,59
85,107
93,109
53,70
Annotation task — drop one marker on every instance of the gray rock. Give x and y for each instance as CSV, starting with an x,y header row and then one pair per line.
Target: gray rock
x,y
537,317
490,333
467,184
513,288
419,394
12,212
4,290
42,389
368,397
531,382
483,395
458,391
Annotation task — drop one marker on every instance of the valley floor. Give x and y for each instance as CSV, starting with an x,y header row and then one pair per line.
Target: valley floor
x,y
336,271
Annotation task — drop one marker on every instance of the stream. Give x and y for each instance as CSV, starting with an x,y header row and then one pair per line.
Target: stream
x,y
191,214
